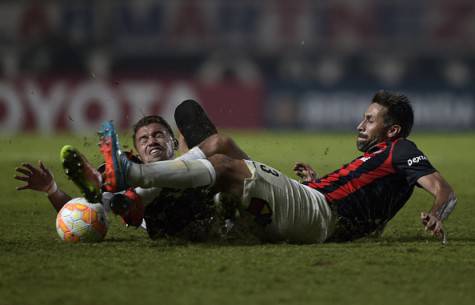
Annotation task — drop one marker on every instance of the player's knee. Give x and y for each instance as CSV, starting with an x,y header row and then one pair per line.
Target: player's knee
x,y
230,173
222,164
210,145
224,142
216,144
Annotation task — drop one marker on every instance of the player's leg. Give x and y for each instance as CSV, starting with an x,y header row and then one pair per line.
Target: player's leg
x,y
230,174
213,145
225,174
200,134
224,145
128,204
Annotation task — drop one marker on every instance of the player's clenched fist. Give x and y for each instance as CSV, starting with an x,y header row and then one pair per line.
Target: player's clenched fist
x,y
305,172
432,224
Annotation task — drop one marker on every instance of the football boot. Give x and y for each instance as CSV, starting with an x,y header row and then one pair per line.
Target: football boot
x,y
82,173
116,162
129,206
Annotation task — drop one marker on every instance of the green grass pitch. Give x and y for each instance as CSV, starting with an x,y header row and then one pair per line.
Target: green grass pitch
x,y
404,266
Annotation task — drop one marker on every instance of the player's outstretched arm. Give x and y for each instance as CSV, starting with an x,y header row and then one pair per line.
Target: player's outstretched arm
x,y
41,179
444,203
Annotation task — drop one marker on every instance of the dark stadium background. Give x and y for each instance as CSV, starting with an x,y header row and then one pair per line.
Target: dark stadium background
x,y
300,64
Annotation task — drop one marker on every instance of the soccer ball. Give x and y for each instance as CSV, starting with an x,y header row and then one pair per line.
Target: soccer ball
x,y
81,221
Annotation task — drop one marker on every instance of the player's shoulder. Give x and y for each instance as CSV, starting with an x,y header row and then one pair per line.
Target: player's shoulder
x,y
403,143
406,149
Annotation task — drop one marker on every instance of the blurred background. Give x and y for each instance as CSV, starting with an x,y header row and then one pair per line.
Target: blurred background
x,y
280,64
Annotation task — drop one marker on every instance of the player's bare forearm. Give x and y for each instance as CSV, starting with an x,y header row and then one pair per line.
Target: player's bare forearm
x,y
444,202
58,199
444,196
444,205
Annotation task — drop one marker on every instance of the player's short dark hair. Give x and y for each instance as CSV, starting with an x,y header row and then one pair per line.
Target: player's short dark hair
x,y
399,110
150,119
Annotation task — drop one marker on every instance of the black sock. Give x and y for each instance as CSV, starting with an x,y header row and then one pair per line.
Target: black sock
x,y
193,123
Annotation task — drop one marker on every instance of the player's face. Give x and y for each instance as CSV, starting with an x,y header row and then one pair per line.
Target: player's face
x,y
371,130
154,143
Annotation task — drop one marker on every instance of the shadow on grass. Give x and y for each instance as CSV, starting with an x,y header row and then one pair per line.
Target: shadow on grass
x,y
120,240
388,241
424,239
209,244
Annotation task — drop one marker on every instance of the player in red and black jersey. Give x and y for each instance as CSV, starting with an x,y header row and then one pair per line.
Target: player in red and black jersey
x,y
371,189
367,192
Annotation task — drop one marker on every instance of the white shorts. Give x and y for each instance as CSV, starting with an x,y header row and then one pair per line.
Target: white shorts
x,y
298,213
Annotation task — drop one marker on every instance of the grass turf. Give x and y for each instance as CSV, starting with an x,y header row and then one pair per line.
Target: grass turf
x,y
404,266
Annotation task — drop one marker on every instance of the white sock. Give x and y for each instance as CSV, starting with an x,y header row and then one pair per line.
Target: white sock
x,y
172,173
148,195
193,154
106,201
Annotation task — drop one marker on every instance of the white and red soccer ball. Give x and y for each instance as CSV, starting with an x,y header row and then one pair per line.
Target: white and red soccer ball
x,y
81,221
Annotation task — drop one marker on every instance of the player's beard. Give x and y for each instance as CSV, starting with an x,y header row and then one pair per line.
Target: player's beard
x,y
367,143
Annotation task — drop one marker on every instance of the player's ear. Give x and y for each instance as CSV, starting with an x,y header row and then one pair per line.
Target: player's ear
x,y
175,144
393,131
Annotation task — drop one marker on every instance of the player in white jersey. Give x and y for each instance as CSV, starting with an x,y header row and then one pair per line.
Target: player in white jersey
x,y
167,210
286,209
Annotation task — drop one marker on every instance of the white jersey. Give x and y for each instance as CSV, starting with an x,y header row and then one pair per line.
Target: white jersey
x,y
297,213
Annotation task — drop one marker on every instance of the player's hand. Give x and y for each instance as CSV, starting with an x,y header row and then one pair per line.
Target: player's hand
x,y
36,178
305,172
433,224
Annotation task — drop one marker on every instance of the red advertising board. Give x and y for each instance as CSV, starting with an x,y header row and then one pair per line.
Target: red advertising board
x,y
80,105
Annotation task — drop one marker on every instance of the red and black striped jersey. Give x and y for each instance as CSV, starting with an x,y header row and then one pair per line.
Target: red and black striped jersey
x,y
371,189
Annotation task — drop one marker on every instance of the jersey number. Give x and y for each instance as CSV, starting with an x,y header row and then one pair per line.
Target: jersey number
x,y
269,170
